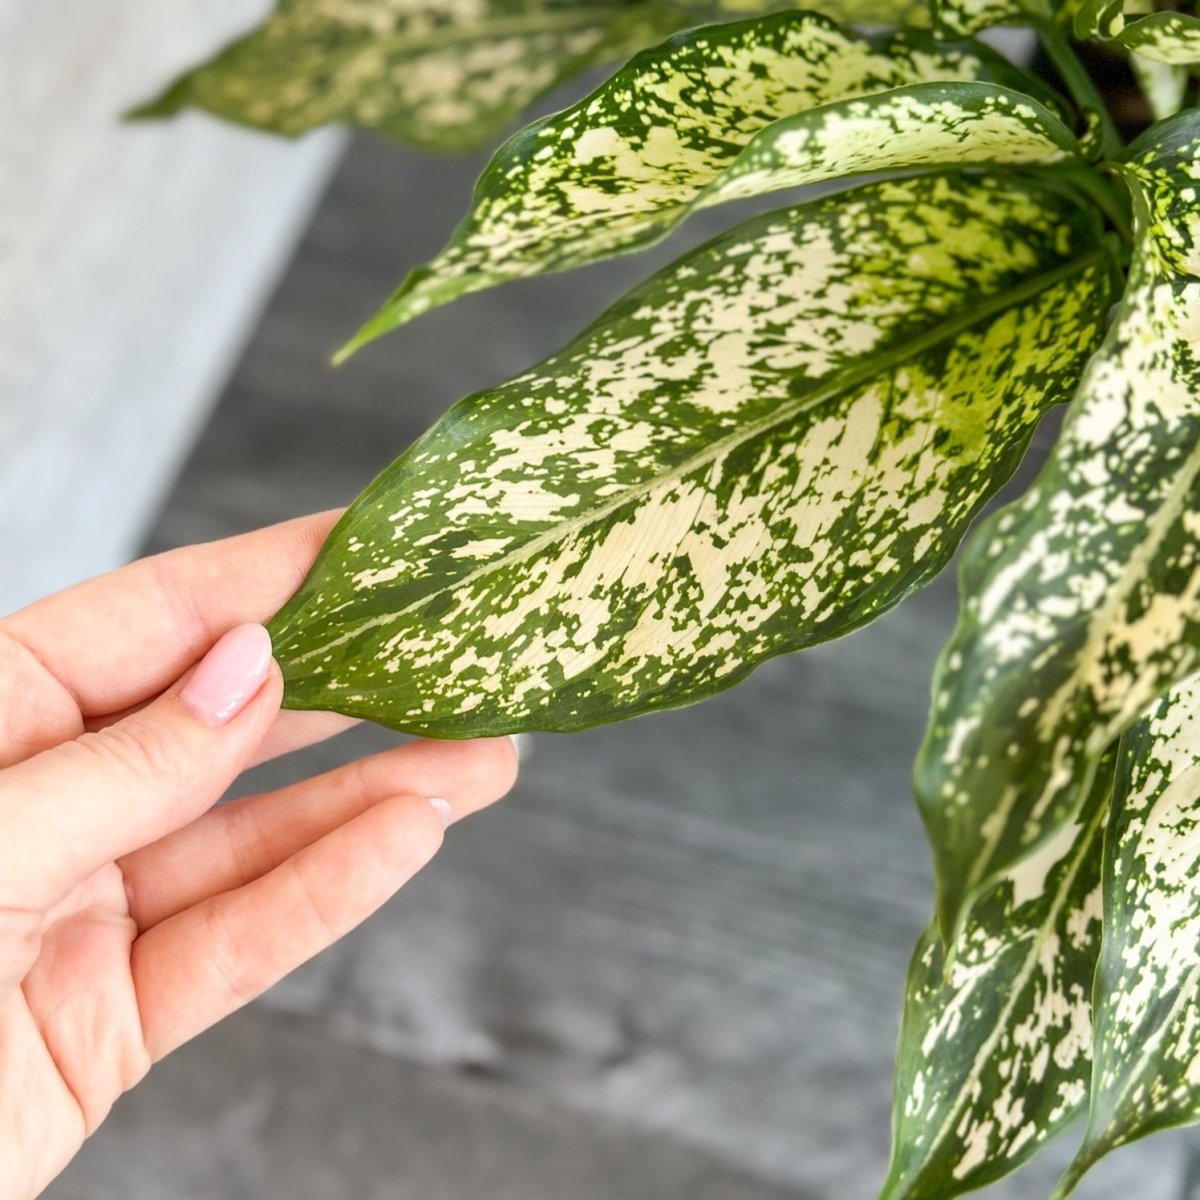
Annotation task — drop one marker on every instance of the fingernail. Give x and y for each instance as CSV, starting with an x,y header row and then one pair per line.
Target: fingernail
x,y
523,744
443,810
229,675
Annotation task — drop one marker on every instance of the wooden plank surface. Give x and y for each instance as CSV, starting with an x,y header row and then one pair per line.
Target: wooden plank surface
x,y
691,929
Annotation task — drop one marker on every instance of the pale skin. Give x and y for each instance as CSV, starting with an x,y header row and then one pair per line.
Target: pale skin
x,y
133,913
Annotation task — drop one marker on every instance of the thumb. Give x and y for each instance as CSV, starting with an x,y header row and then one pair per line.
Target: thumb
x,y
74,808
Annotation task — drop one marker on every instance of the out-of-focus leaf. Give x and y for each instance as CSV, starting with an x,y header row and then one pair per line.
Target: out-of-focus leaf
x,y
444,74
1165,86
764,446
963,18
1166,37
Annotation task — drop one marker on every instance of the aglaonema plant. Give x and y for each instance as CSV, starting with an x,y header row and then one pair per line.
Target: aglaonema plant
x,y
785,432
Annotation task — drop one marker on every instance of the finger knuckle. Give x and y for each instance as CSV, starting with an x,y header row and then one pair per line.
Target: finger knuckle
x,y
35,710
322,910
227,960
141,750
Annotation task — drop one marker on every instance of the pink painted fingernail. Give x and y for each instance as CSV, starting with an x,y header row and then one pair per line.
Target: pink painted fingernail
x,y
443,810
229,675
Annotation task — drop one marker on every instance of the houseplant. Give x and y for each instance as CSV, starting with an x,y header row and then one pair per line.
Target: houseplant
x,y
783,433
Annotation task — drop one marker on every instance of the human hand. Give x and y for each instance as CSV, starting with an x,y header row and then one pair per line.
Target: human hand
x,y
133,914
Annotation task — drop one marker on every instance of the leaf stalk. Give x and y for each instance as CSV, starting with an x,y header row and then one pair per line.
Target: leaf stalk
x,y
1079,84
1098,186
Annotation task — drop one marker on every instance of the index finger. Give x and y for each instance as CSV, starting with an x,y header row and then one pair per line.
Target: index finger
x,y
117,640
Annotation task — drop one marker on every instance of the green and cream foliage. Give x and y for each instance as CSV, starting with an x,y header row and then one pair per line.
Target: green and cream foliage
x,y
1165,86
1081,600
782,434
963,18
443,74
1164,47
1082,603
1168,37
1147,1040
718,114
762,447
446,74
995,1046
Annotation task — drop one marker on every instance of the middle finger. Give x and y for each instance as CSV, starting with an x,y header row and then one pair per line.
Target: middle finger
x,y
236,843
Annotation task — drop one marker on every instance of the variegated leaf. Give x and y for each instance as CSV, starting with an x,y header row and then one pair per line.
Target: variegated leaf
x,y
1166,37
716,114
995,1047
911,13
964,18
762,447
1081,602
445,74
1147,1047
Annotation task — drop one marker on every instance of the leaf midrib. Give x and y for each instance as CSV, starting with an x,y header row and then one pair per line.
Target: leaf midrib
x,y
872,366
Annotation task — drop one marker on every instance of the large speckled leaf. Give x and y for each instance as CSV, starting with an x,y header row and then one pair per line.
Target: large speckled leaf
x,y
995,1047
446,74
1147,1046
1081,602
763,446
716,114
1166,37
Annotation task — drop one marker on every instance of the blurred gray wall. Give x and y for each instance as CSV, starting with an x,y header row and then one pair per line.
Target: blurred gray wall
x,y
133,260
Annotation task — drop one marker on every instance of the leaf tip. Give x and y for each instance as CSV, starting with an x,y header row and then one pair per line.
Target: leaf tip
x,y
166,104
367,334
152,110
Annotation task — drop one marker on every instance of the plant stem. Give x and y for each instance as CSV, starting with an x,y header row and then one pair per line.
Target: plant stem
x,y
1079,84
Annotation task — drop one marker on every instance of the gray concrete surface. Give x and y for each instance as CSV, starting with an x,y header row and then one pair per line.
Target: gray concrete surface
x,y
669,966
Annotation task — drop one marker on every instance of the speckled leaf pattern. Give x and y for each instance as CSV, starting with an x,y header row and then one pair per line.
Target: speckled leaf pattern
x,y
911,13
764,446
444,74
1166,37
995,1049
716,114
962,18
1081,602
1147,1044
